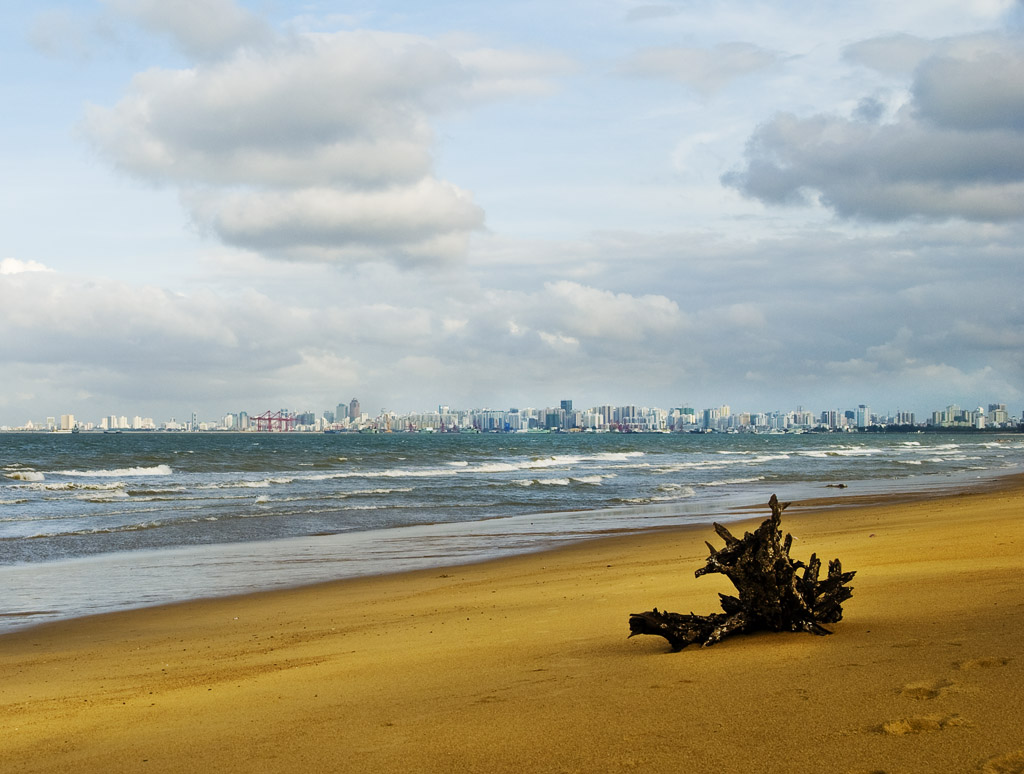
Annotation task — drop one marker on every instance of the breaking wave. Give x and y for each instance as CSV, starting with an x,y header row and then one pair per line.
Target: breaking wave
x,y
26,475
156,470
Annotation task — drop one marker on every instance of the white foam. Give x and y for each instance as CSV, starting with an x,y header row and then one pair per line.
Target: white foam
x,y
156,470
26,475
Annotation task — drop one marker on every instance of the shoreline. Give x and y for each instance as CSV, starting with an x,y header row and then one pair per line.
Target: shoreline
x,y
39,593
75,587
523,663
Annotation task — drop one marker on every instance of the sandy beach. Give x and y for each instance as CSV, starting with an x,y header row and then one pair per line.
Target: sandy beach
x,y
524,664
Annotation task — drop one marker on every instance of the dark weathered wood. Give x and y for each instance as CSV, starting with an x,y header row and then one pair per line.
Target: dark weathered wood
x,y
774,591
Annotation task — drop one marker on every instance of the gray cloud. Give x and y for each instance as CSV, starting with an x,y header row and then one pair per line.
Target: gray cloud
x,y
985,92
895,55
707,71
651,11
57,32
957,150
202,29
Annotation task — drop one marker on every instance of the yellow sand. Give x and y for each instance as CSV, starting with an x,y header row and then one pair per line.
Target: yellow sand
x,y
524,665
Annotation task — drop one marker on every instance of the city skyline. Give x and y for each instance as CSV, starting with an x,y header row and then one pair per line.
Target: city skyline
x,y
564,416
213,203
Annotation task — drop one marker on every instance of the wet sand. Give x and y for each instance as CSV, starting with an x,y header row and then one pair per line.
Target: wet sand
x,y
523,664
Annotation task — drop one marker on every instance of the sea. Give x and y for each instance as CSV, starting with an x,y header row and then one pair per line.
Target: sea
x,y
98,522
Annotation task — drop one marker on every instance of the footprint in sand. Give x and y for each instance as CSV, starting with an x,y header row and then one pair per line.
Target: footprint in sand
x,y
1011,763
926,690
982,663
918,725
1008,763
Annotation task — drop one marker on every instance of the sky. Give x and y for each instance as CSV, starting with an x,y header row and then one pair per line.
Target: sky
x,y
222,206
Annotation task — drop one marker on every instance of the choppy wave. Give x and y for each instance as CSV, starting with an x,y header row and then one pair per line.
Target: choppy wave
x,y
732,481
171,491
25,475
849,451
66,486
232,490
380,491
594,480
105,497
156,470
261,484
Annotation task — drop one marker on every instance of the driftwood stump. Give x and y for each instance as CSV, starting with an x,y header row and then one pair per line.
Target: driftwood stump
x,y
772,593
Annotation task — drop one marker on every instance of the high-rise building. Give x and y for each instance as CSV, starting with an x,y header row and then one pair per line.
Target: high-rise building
x,y
863,416
997,414
566,405
353,410
341,412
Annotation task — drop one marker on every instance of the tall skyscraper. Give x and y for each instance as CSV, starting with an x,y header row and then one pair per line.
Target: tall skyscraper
x,y
863,416
341,413
353,410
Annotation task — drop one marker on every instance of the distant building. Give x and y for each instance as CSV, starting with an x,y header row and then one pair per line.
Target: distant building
x,y
353,410
863,415
998,415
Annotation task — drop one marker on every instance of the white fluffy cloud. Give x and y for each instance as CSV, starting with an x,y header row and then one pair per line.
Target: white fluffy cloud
x,y
603,315
14,266
426,220
316,144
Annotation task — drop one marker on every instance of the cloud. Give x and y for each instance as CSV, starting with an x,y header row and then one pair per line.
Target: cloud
x,y
589,312
426,220
57,32
14,266
348,107
823,317
982,93
125,345
316,144
955,151
202,29
652,11
705,70
497,73
895,55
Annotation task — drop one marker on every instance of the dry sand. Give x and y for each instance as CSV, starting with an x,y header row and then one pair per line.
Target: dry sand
x,y
523,665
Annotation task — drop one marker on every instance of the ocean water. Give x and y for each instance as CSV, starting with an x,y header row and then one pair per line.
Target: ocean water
x,y
98,522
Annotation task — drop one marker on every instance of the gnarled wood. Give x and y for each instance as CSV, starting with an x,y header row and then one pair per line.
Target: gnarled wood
x,y
774,591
